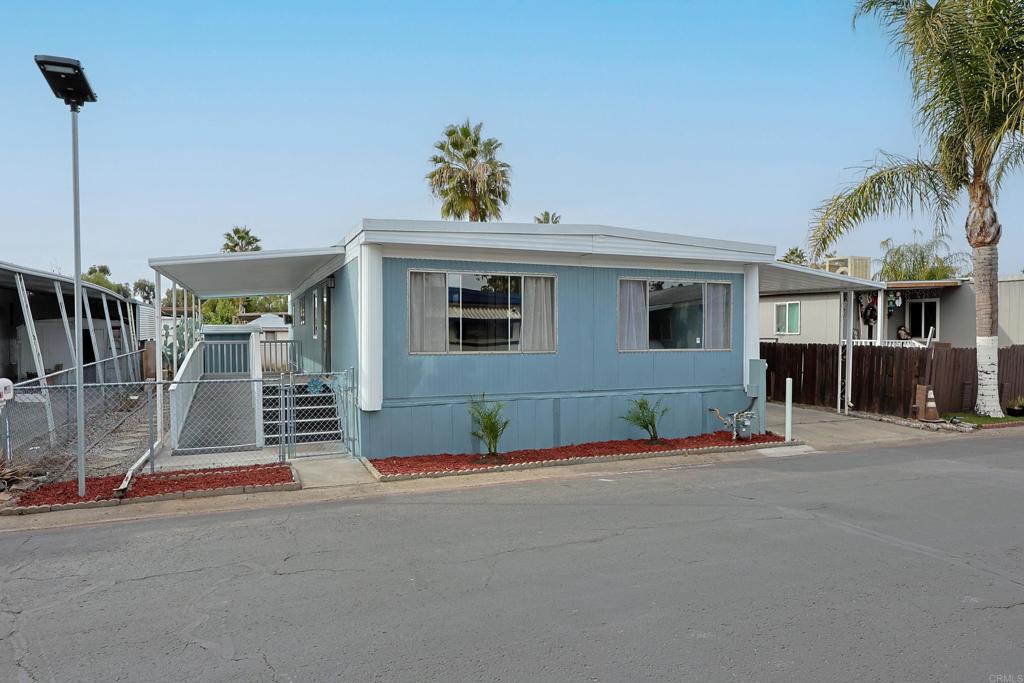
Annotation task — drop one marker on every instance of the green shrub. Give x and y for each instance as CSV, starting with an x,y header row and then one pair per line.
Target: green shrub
x,y
1018,402
488,425
645,416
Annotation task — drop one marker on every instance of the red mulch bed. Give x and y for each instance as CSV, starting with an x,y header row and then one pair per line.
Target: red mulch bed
x,y
447,462
102,488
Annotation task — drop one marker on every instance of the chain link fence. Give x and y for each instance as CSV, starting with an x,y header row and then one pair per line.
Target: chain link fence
x,y
38,429
309,415
209,422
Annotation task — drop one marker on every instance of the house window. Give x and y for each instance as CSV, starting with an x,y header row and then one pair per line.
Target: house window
x,y
656,315
302,309
787,318
481,313
922,317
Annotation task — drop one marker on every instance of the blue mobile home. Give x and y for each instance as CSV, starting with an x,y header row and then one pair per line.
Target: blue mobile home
x,y
563,323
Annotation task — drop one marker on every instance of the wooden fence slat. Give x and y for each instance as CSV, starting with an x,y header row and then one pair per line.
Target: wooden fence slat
x,y
884,377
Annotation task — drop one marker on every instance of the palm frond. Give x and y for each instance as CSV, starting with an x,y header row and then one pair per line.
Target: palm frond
x,y
1011,158
896,186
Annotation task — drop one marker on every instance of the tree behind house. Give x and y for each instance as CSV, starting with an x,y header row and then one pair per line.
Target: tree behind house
x,y
547,217
468,177
240,239
796,256
920,260
966,60
100,275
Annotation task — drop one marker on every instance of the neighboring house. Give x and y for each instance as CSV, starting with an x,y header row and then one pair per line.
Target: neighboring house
x,y
37,322
565,324
946,307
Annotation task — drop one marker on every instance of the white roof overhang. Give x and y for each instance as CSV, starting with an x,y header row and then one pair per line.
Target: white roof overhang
x,y
785,278
254,273
559,238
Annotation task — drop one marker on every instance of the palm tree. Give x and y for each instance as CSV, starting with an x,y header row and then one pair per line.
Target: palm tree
x,y
966,62
930,259
240,239
547,217
795,255
468,178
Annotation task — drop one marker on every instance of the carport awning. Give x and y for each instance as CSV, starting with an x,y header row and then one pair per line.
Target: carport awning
x,y
786,278
254,273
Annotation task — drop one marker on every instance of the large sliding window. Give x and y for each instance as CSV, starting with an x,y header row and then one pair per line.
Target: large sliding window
x,y
657,315
481,313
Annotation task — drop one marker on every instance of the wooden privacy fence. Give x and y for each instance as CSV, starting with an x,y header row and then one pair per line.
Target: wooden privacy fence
x,y
884,377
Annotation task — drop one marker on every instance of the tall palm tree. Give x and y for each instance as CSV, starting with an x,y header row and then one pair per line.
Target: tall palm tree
x,y
547,217
795,255
240,239
966,63
468,177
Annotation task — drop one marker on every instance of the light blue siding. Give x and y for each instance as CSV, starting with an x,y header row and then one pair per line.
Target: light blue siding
x,y
310,350
574,395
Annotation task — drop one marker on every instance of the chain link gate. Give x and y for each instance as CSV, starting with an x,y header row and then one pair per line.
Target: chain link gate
x,y
310,414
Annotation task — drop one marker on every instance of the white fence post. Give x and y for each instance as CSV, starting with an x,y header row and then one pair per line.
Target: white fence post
x,y
789,409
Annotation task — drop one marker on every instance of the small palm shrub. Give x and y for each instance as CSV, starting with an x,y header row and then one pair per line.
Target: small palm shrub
x,y
488,424
645,416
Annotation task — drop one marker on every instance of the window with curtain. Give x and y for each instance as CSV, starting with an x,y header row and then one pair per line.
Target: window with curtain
x,y
481,313
656,315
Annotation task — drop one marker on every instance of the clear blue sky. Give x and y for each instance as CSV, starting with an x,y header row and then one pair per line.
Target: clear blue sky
x,y
299,118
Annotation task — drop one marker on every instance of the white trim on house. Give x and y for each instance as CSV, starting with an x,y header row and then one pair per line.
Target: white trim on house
x,y
371,328
751,317
581,240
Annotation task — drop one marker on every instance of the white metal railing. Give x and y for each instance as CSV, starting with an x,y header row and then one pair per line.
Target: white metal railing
x,y
256,373
228,357
183,389
280,355
896,343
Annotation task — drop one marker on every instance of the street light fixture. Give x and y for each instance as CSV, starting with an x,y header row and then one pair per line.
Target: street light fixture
x,y
67,80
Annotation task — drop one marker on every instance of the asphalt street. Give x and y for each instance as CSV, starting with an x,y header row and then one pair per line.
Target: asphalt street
x,y
891,564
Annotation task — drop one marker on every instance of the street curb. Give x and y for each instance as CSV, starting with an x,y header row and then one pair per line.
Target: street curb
x,y
581,460
293,485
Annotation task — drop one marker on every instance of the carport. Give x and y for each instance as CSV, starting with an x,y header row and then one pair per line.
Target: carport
x,y
779,278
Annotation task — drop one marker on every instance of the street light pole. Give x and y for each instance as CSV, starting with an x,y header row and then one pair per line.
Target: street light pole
x,y
67,80
79,356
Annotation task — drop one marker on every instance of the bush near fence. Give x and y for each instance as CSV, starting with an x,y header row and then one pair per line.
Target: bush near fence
x,y
884,377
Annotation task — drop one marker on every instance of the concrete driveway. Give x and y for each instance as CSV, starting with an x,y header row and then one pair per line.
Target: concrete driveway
x,y
829,431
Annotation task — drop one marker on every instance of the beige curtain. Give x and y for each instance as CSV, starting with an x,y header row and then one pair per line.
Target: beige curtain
x,y
718,316
632,327
428,312
538,314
